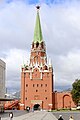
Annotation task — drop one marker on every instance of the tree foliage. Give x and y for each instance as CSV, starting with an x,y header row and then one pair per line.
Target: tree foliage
x,y
76,91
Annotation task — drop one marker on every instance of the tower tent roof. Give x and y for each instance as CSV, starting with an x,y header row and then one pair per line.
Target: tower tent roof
x,y
37,32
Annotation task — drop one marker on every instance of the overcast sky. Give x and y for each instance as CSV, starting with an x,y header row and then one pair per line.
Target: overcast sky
x,y
60,22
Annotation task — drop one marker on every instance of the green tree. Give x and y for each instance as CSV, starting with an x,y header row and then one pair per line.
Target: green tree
x,y
76,91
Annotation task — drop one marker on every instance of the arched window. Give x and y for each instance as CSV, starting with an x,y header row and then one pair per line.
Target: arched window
x,y
45,67
32,45
42,45
37,44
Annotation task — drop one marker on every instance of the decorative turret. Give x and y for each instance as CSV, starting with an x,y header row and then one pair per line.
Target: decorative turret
x,y
50,62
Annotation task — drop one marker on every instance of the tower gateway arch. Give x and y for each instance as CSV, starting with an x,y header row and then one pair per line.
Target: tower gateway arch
x,y
37,76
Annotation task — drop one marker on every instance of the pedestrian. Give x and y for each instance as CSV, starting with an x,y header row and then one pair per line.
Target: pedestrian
x,y
11,115
28,108
60,117
71,118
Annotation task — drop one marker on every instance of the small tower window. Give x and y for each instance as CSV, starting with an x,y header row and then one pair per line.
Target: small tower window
x,y
45,85
26,98
36,90
26,85
46,98
37,44
45,67
33,85
42,45
45,90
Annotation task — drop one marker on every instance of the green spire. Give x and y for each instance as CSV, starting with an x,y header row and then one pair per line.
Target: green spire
x,y
37,32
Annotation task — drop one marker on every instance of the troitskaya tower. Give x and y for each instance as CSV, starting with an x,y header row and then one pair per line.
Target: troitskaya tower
x,y
37,76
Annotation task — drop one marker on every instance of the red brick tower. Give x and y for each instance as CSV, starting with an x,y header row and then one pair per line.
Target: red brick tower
x,y
37,76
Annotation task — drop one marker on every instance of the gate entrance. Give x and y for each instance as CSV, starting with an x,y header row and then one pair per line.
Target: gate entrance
x,y
36,107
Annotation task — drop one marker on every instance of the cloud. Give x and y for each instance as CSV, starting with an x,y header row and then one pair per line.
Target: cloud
x,y
15,26
67,68
15,59
61,32
63,28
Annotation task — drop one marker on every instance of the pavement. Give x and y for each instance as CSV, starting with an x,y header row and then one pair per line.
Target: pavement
x,y
36,115
66,114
